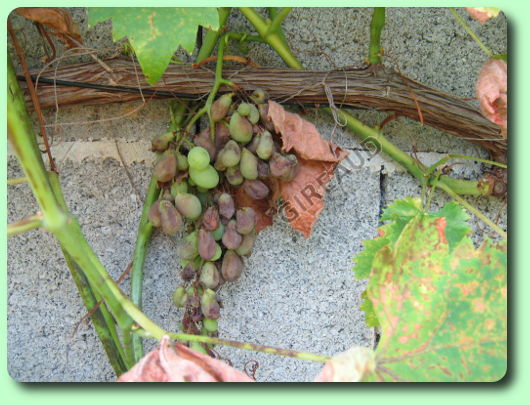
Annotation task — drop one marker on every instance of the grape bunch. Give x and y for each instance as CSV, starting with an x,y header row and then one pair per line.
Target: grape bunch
x,y
198,183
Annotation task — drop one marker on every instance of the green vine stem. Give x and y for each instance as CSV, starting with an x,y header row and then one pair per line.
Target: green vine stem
x,y
273,37
376,26
62,224
24,225
102,319
185,337
218,82
211,37
145,229
471,33
17,181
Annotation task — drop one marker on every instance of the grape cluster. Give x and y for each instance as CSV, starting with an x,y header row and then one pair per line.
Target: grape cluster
x,y
197,193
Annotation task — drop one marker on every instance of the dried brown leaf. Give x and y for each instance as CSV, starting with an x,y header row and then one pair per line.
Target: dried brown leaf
x,y
302,136
492,91
304,195
179,363
56,18
317,158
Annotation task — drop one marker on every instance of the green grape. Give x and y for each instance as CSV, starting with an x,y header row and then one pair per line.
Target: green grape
x,y
180,187
206,178
211,325
218,233
180,296
198,158
198,347
218,253
182,161
243,109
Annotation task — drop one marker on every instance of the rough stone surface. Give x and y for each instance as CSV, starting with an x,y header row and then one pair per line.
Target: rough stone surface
x,y
295,293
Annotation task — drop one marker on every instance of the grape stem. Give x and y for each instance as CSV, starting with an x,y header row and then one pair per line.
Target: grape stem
x,y
24,225
218,82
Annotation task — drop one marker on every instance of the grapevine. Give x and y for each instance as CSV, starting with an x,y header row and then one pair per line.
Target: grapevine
x,y
208,184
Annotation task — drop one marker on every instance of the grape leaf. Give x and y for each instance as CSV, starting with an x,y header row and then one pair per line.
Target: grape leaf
x,y
178,363
492,91
456,222
56,18
155,33
443,312
317,159
483,14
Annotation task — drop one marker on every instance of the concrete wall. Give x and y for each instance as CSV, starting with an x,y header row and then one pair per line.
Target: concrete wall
x,y
295,293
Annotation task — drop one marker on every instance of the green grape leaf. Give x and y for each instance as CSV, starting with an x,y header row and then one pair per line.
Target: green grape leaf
x,y
443,312
155,33
456,222
402,211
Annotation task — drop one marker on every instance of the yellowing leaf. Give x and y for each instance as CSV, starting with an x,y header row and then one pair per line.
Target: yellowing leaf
x,y
443,312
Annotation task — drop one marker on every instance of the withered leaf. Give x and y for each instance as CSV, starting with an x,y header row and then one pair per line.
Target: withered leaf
x,y
483,14
304,195
317,158
178,363
349,366
492,91
302,136
56,18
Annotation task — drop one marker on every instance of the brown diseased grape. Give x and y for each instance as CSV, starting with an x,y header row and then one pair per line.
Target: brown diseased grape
x,y
226,205
220,107
210,219
232,266
283,167
166,168
170,220
231,239
245,220
245,248
206,244
256,189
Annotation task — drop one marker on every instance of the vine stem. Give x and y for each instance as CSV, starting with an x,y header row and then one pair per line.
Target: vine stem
x,y
218,82
185,337
24,225
471,33
273,37
102,319
17,180
376,26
